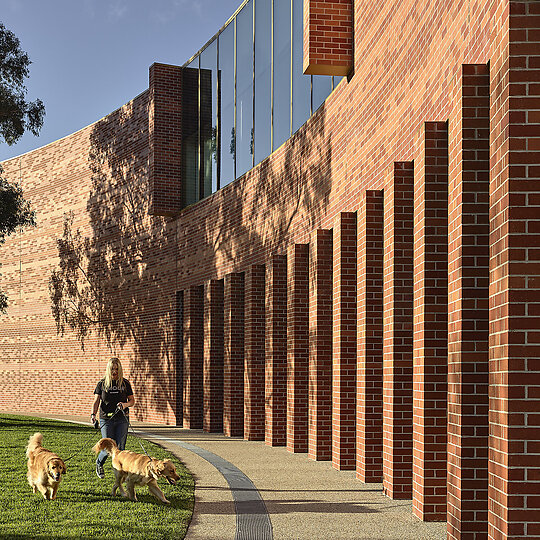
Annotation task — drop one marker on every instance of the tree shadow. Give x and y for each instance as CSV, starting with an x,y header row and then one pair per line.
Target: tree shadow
x,y
280,201
132,256
134,262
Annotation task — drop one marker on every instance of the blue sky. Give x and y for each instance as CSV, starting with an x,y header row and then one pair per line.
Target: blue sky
x,y
89,57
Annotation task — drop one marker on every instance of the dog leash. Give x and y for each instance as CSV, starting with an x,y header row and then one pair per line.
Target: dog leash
x,y
135,433
96,427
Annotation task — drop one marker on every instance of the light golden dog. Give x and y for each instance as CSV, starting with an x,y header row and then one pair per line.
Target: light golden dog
x,y
137,469
45,468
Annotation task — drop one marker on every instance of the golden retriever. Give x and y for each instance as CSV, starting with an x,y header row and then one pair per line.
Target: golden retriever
x,y
137,469
45,468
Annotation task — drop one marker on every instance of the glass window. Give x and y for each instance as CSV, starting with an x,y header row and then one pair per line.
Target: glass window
x,y
322,87
263,80
301,84
282,72
208,118
226,85
244,89
190,132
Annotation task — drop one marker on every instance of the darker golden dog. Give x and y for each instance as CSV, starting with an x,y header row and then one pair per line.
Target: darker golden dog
x,y
45,468
137,469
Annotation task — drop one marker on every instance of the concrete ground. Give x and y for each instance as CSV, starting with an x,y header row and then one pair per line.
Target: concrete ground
x,y
304,499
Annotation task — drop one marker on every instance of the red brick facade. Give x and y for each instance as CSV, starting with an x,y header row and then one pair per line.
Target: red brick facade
x,y
414,190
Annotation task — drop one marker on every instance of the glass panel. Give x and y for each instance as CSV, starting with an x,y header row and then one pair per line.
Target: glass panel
x,y
244,89
208,100
226,85
190,132
322,87
301,84
282,72
263,78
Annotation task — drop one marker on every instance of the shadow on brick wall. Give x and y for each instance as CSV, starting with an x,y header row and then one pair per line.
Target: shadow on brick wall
x,y
118,278
281,201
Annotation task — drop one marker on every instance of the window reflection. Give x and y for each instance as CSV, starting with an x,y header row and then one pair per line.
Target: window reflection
x,y
244,89
282,73
301,84
263,80
208,106
244,95
322,86
226,84
190,132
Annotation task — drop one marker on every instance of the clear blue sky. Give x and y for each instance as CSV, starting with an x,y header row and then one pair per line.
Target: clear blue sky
x,y
89,57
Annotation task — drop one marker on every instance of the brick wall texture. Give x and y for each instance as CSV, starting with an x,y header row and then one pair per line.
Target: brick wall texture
x,y
370,291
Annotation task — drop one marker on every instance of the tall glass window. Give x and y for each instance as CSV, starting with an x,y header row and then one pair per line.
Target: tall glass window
x,y
245,94
301,84
263,80
190,134
244,89
226,85
322,87
208,118
282,72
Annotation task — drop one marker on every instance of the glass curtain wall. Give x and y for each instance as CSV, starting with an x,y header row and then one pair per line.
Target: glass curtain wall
x,y
244,89
301,84
227,90
263,79
208,91
190,134
251,95
281,82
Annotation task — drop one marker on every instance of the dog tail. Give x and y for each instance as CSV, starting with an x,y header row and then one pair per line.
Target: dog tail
x,y
34,442
106,444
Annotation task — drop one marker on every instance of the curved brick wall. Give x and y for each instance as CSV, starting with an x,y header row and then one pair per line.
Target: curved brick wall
x,y
385,251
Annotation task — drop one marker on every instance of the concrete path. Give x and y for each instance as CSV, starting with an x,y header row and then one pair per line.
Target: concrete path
x,y
248,490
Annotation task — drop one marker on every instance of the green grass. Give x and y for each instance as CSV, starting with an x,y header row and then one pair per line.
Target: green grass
x,y
84,507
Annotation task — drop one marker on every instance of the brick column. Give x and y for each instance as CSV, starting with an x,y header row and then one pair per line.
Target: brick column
x,y
398,329
297,347
320,346
468,312
514,337
255,321
165,139
369,422
344,346
213,356
276,352
193,357
233,360
179,363
430,322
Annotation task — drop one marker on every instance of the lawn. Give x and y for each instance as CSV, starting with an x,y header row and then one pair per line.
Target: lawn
x,y
84,507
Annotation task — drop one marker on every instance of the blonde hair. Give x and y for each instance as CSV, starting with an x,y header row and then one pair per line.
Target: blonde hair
x,y
108,373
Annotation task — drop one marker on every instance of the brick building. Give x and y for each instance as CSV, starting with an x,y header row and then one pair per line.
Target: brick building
x,y
365,291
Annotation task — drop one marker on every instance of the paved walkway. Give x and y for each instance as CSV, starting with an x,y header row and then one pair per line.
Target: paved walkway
x,y
250,491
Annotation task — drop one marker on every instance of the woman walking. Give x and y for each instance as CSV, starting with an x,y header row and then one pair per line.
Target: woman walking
x,y
114,396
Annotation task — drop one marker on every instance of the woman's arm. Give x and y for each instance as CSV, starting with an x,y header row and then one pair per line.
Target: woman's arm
x,y
95,406
129,403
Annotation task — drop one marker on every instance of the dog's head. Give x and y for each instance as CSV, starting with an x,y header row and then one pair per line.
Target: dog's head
x,y
165,469
56,468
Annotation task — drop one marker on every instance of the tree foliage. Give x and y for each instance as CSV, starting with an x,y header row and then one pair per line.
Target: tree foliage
x,y
17,115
